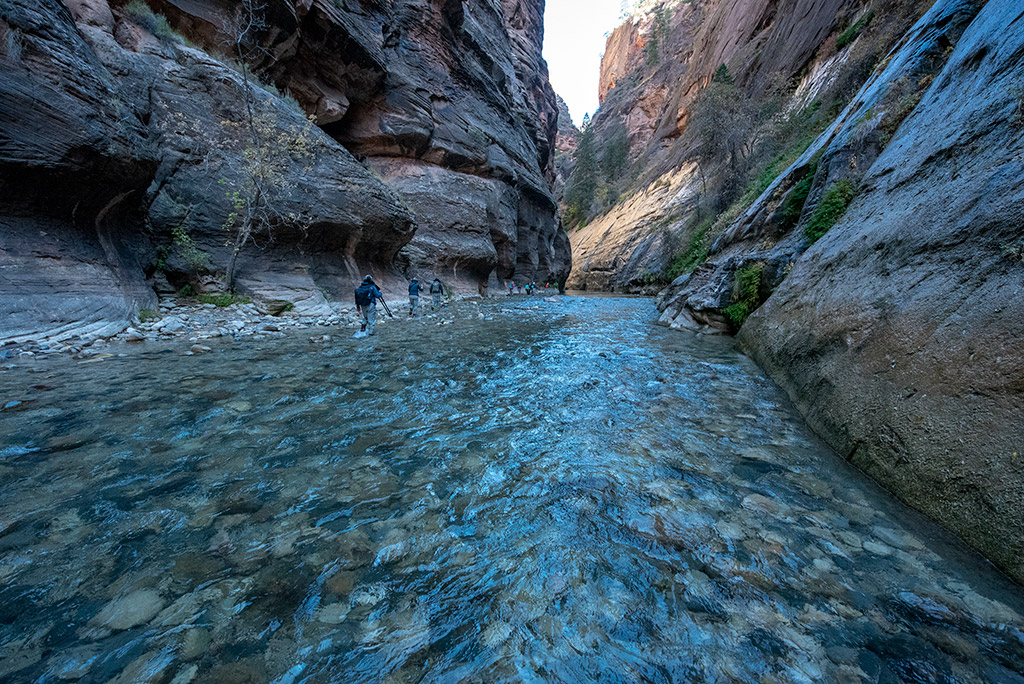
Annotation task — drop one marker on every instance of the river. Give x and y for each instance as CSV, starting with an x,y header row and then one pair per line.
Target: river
x,y
515,491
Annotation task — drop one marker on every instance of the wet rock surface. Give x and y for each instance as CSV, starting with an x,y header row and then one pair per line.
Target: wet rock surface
x,y
536,490
894,331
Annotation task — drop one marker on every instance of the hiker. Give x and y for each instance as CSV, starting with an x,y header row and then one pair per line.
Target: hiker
x,y
414,296
511,287
367,295
436,290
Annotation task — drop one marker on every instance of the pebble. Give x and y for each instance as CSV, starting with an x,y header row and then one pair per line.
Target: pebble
x,y
74,664
186,675
333,613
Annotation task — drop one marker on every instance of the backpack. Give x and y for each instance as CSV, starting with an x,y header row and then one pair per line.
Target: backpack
x,y
364,294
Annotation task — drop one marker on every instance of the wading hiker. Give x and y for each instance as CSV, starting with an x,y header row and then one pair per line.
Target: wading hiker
x,y
436,290
367,295
414,296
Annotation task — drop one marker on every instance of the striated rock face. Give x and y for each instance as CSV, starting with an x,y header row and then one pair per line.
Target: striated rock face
x,y
626,247
895,332
116,142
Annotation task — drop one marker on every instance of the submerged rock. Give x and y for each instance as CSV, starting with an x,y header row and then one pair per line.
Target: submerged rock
x,y
129,611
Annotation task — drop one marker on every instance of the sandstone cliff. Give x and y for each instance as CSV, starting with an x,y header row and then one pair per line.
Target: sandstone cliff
x,y
123,136
655,69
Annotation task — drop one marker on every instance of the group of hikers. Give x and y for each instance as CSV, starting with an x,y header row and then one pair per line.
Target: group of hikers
x,y
368,293
531,287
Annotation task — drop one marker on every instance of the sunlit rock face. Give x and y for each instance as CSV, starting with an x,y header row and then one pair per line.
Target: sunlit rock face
x,y
114,139
651,95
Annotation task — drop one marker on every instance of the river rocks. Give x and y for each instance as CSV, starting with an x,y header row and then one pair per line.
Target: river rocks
x,y
333,613
195,643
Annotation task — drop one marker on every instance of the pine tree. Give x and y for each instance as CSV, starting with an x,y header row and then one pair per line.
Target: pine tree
x,y
722,75
616,154
579,194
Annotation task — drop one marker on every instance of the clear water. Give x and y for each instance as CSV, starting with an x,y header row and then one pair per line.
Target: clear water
x,y
535,492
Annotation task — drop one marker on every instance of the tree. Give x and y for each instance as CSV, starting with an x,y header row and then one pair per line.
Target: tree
x,y
722,75
616,153
657,34
269,148
579,195
722,121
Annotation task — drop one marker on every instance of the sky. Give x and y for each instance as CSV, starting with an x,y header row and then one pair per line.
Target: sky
x,y
574,36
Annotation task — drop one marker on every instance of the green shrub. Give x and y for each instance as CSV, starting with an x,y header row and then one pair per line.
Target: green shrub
x,y
1014,250
793,205
695,254
901,111
224,299
746,295
187,291
851,33
156,24
148,315
830,209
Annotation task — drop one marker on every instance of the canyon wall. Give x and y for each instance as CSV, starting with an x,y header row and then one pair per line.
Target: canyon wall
x,y
898,332
882,273
656,67
403,138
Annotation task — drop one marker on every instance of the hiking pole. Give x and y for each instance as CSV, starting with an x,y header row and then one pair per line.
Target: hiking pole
x,y
386,309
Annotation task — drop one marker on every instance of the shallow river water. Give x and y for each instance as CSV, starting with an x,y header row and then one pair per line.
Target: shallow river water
x,y
535,492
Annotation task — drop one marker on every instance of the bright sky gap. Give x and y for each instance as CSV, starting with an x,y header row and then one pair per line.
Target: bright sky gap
x,y
574,40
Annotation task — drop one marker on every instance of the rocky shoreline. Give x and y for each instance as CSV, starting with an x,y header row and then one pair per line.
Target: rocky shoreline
x,y
195,322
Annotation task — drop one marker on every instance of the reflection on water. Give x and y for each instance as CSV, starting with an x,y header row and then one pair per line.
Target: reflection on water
x,y
537,492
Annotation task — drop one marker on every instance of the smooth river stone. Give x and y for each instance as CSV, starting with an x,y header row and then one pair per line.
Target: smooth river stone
x,y
129,611
333,613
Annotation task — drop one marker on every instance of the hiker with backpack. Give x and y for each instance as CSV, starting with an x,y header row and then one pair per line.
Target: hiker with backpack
x,y
367,295
414,296
436,290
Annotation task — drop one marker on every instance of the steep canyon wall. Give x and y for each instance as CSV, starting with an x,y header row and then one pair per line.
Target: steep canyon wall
x,y
655,69
125,146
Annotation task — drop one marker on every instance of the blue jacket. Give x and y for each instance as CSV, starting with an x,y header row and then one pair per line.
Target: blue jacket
x,y
414,288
